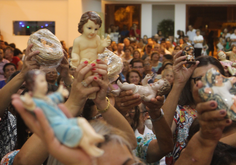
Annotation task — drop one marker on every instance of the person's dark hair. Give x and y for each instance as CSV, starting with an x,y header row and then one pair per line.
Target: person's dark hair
x,y
87,110
168,57
177,46
13,45
8,64
135,123
128,49
135,71
17,52
10,48
13,75
136,60
90,15
186,97
6,43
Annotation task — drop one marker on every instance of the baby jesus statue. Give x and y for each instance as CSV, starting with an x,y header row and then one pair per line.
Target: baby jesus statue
x,y
87,46
221,89
227,63
146,91
72,132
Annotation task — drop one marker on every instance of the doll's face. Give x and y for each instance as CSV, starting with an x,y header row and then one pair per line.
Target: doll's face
x,y
41,85
218,80
158,84
222,56
90,29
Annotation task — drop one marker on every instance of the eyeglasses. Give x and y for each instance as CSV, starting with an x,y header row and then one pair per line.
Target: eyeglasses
x,y
195,79
138,67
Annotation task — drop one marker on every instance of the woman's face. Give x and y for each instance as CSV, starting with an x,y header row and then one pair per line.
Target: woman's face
x,y
198,33
234,49
155,57
136,55
169,75
115,154
51,76
198,72
134,78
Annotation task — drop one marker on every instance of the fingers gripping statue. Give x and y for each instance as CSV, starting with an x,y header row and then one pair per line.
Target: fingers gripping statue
x,y
87,46
72,132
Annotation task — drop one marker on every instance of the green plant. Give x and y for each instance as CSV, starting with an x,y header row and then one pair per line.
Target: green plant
x,y
166,26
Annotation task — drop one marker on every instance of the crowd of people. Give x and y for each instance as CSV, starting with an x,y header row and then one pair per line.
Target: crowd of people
x,y
177,128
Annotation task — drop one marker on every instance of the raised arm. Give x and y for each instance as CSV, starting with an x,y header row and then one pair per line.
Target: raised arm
x,y
200,149
103,43
163,144
12,86
182,74
110,114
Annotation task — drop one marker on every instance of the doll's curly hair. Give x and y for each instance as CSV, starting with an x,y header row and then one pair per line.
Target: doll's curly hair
x,y
89,15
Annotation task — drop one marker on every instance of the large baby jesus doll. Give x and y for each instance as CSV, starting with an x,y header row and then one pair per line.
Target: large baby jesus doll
x,y
87,46
72,132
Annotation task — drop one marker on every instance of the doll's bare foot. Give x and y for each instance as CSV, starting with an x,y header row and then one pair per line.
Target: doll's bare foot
x,y
89,139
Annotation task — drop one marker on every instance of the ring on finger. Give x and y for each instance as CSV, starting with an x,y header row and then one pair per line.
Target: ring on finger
x,y
84,83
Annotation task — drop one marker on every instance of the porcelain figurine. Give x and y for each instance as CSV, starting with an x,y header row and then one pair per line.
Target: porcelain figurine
x,y
227,63
221,89
72,132
188,51
87,46
146,91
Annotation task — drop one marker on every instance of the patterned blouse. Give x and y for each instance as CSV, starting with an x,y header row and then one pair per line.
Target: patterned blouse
x,y
183,118
9,158
8,133
142,147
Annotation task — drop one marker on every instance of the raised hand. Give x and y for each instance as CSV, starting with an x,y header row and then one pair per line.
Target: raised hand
x,y
182,74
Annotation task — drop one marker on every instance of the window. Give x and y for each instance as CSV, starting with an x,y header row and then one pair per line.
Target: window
x,y
29,27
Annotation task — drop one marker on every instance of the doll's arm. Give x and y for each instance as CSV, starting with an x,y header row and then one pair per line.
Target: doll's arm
x,y
103,43
28,102
146,78
64,92
75,53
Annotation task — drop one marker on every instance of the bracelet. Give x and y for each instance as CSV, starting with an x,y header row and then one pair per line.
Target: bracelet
x,y
108,105
159,118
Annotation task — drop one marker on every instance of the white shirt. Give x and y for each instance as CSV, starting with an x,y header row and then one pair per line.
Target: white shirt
x,y
122,53
233,36
198,38
227,35
191,35
145,132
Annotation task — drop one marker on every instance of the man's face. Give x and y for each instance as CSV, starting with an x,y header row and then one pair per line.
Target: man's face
x,y
120,47
127,52
8,54
139,67
1,54
9,70
190,28
2,45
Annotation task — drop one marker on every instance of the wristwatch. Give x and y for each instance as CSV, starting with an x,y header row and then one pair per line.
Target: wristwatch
x,y
161,116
